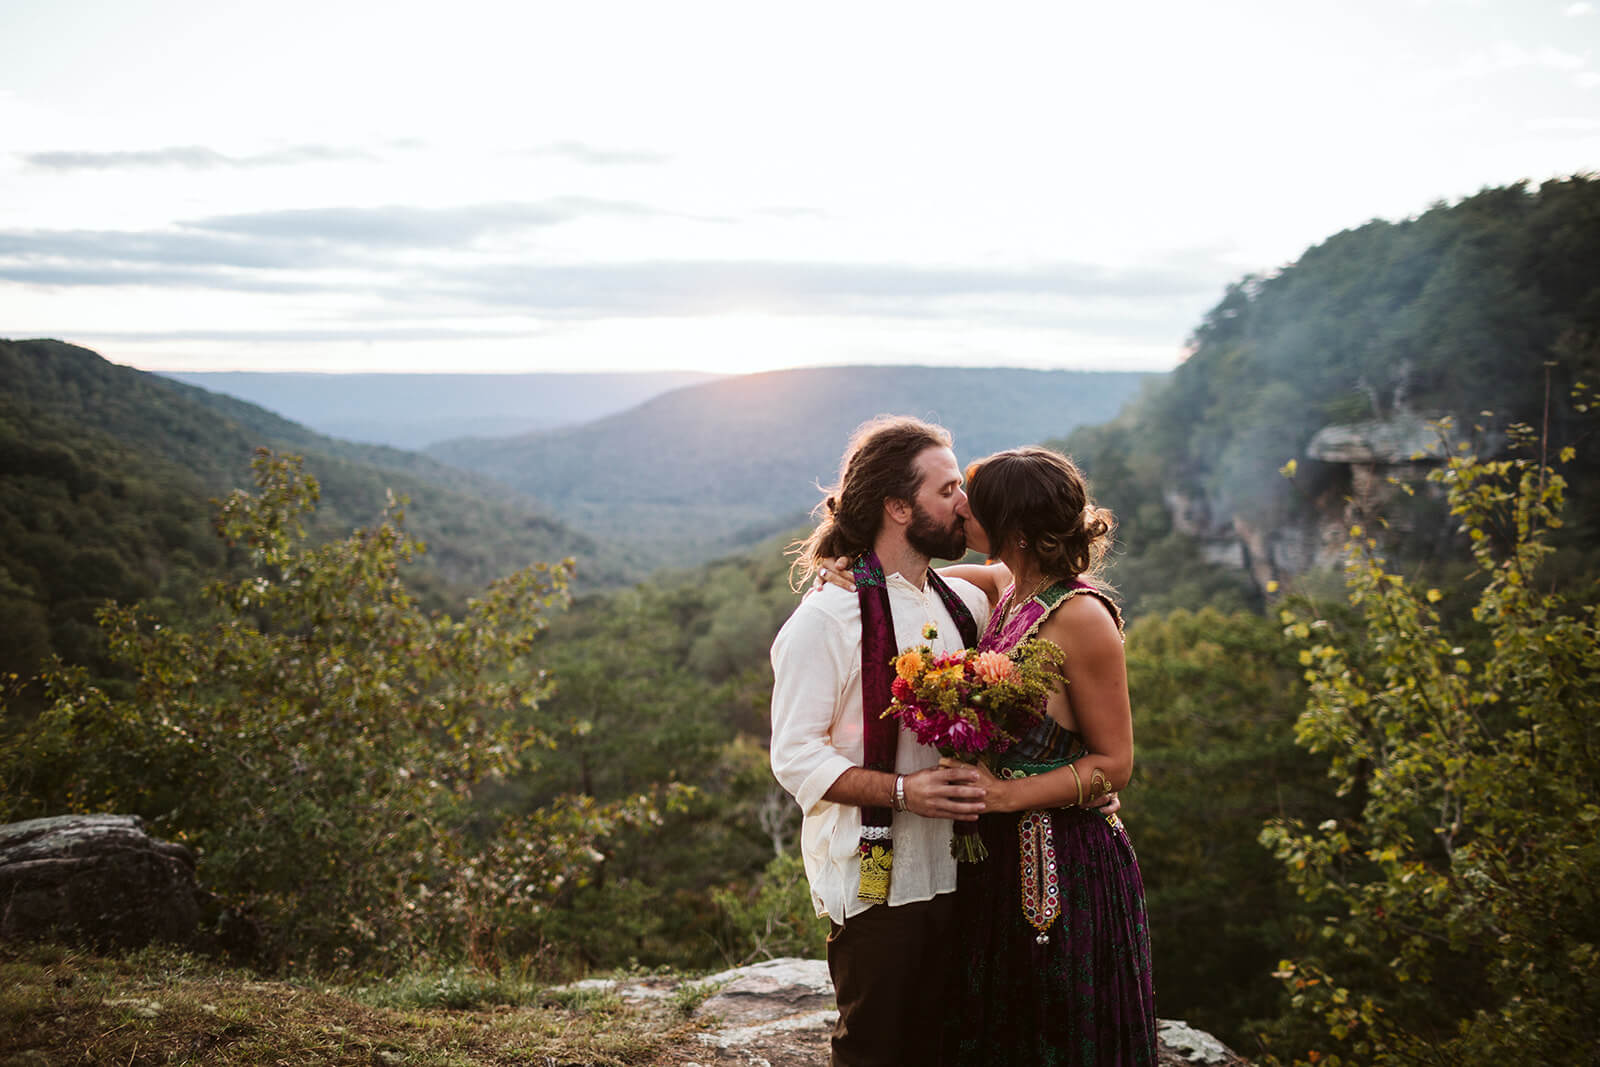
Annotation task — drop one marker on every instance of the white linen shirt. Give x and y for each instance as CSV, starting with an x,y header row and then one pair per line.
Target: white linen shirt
x,y
817,736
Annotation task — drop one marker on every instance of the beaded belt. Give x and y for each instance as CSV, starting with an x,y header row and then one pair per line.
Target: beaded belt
x,y
1041,880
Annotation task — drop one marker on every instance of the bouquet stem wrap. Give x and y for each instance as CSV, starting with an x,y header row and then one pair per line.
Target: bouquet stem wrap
x,y
881,734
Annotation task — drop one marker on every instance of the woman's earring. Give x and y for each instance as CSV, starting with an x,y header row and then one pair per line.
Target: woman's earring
x,y
1022,542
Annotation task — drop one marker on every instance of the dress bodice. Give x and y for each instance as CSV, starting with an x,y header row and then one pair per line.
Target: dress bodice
x,y
1047,744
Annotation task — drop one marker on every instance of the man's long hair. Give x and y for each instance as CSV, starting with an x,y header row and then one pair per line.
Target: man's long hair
x,y
879,464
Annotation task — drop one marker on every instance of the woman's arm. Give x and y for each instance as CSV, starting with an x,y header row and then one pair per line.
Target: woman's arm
x,y
1097,695
992,578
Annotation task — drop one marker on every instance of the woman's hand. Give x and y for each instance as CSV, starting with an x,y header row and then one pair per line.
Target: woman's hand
x,y
835,572
1109,804
998,791
994,788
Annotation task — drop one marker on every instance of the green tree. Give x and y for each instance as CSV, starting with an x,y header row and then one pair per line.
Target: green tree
x,y
319,741
1215,698
1457,919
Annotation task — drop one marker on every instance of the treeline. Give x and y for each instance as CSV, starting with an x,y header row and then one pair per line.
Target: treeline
x,y
106,477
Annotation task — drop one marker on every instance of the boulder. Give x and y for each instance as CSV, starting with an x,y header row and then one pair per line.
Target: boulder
x,y
98,880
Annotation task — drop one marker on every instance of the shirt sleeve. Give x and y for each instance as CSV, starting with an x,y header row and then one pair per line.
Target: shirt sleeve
x,y
810,669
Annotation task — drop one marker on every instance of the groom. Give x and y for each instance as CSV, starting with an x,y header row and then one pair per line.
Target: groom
x,y
878,807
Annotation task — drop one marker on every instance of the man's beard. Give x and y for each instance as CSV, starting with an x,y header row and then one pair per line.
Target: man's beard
x,y
933,540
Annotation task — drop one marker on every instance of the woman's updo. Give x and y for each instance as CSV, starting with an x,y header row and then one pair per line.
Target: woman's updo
x,y
1039,497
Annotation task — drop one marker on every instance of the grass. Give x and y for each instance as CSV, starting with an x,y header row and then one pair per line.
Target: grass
x,y
65,1006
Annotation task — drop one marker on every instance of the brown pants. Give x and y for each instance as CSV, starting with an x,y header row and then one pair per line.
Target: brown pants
x,y
890,970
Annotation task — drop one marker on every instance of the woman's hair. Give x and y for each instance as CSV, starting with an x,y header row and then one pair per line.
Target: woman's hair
x,y
879,464
1039,496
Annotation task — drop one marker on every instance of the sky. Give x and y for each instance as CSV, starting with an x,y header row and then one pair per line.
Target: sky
x,y
344,185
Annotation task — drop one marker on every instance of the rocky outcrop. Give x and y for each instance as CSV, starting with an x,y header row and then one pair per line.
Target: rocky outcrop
x,y
98,880
1378,454
1389,442
780,1013
1347,476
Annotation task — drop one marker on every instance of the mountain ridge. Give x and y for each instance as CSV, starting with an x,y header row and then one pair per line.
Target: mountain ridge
x,y
411,411
106,473
707,467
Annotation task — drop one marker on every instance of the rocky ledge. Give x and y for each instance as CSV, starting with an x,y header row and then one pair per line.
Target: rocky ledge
x,y
779,1014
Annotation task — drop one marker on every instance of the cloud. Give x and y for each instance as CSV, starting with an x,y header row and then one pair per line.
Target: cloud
x,y
321,334
84,275
188,157
1582,7
156,247
578,152
275,241
672,288
329,250
414,227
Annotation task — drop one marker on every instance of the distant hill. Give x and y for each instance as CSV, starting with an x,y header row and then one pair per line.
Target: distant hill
x,y
416,410
106,474
709,468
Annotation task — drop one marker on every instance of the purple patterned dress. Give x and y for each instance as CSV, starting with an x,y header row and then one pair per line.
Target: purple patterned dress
x,y
1053,937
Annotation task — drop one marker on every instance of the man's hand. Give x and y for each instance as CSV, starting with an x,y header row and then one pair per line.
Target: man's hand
x,y
945,793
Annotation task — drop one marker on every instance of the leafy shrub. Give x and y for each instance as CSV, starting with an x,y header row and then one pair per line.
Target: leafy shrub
x,y
775,917
319,741
1459,923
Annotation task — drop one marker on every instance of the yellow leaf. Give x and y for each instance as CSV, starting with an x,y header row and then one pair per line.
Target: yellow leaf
x,y
1434,596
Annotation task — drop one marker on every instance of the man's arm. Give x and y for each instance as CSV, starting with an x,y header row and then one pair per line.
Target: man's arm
x,y
934,793
810,669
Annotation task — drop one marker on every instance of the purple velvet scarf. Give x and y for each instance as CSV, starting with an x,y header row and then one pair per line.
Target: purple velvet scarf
x,y
881,735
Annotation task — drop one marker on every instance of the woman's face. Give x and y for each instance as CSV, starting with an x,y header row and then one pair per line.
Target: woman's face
x,y
977,536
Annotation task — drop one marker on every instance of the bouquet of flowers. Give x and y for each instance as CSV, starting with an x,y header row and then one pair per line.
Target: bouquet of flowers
x,y
968,704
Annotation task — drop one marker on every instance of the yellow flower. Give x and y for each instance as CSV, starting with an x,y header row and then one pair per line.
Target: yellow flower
x,y
908,665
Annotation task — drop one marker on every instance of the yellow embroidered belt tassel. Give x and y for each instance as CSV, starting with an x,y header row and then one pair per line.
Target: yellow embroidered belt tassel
x,y
877,863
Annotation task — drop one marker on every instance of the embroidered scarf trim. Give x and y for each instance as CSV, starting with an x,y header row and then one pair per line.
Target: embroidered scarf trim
x,y
880,735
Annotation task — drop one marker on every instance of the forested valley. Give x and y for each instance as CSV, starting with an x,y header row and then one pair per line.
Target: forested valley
x,y
1364,674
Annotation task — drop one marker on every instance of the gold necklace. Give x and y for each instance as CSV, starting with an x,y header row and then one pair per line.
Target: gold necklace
x,y
1011,609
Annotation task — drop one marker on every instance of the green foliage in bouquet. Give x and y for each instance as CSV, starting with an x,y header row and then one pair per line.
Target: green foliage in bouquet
x,y
1459,907
319,741
969,703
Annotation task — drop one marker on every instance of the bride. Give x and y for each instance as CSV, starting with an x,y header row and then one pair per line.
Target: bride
x,y
1054,942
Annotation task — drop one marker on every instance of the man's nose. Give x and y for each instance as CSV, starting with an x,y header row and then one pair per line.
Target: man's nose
x,y
961,504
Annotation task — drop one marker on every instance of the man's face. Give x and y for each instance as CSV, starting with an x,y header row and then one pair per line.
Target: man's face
x,y
937,528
